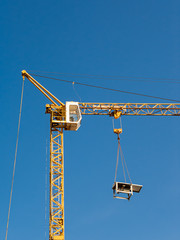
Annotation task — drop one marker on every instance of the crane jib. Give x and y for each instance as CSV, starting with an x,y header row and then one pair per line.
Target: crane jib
x,y
137,109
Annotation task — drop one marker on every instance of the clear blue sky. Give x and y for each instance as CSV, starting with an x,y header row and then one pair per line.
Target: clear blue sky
x,y
127,38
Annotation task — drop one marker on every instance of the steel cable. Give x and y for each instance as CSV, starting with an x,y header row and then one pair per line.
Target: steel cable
x,y
122,161
117,162
125,164
112,77
110,89
14,167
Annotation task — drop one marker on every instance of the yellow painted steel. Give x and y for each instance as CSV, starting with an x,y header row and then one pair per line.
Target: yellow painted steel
x,y
41,88
130,109
118,130
56,214
117,114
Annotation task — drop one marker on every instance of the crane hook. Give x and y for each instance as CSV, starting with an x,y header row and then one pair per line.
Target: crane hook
x,y
118,131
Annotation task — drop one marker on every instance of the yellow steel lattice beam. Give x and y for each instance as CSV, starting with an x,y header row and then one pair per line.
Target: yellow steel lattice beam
x,y
56,221
42,89
136,109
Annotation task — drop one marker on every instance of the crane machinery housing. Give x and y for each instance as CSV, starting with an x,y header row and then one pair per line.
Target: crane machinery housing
x,y
68,117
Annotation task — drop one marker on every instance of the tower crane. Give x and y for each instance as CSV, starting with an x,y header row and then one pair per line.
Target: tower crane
x,y
68,117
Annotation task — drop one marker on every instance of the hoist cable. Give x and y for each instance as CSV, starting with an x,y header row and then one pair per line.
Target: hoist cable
x,y
105,88
14,167
125,164
117,161
113,123
122,160
120,122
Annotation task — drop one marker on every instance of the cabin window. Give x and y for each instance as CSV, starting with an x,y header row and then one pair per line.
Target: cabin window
x,y
74,114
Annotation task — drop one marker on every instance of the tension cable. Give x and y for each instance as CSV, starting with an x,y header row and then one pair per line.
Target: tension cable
x,y
14,167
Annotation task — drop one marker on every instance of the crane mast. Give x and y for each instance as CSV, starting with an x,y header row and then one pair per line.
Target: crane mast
x,y
56,173
56,215
68,117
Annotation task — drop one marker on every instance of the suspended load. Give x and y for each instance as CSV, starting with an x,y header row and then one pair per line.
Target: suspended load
x,y
123,190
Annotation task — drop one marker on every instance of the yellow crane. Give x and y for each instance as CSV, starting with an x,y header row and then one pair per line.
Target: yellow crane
x,y
68,117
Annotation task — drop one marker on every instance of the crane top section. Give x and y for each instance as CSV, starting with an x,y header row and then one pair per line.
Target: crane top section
x,y
49,95
68,116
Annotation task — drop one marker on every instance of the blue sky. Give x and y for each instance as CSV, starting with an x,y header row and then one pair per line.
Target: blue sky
x,y
116,38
